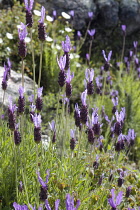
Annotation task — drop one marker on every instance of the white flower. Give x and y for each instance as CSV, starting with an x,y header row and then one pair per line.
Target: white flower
x,y
49,18
65,15
9,36
1,40
78,64
27,39
49,39
61,31
37,12
8,49
68,29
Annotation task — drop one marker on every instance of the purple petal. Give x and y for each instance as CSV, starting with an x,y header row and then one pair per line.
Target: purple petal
x,y
31,4
123,28
104,55
42,15
113,193
47,176
109,55
83,97
57,204
47,205
21,91
111,202
77,204
42,183
52,125
119,198
72,133
62,62
39,92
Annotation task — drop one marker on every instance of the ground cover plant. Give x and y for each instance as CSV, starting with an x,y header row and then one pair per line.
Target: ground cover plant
x,y
89,155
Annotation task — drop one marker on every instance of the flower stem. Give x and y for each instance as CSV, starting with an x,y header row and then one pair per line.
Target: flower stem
x,y
40,66
22,70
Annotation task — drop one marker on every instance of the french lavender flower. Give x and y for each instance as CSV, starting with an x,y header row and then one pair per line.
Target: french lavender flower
x,y
48,206
66,46
115,103
120,143
99,85
37,127
73,139
115,202
72,14
79,34
29,19
128,191
107,60
91,33
62,74
53,129
22,33
5,76
77,116
54,15
17,135
20,186
131,137
90,132
41,26
96,162
69,77
121,179
34,208
96,124
44,186
11,115
21,101
101,179
123,29
70,203
39,101
135,44
89,74
84,110
20,207
32,112
120,121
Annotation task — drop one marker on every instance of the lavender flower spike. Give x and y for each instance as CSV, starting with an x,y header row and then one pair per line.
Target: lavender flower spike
x,y
29,19
4,80
112,201
66,45
62,73
41,27
22,33
44,186
123,28
37,129
107,64
90,15
39,101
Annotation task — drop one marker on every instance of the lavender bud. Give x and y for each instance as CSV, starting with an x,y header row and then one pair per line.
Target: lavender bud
x,y
90,88
61,78
95,164
114,109
39,103
83,114
29,19
96,129
43,193
54,138
22,51
41,32
21,105
68,89
77,119
32,114
120,181
20,186
110,178
17,137
4,84
128,192
11,120
118,128
72,143
37,134
91,137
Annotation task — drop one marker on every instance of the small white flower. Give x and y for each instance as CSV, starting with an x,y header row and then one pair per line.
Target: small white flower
x,y
9,35
49,18
58,47
27,39
1,40
37,12
49,39
78,64
8,49
68,29
61,31
71,56
65,15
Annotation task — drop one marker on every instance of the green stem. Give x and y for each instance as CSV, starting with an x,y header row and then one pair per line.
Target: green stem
x,y
33,59
37,197
40,66
16,179
22,70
